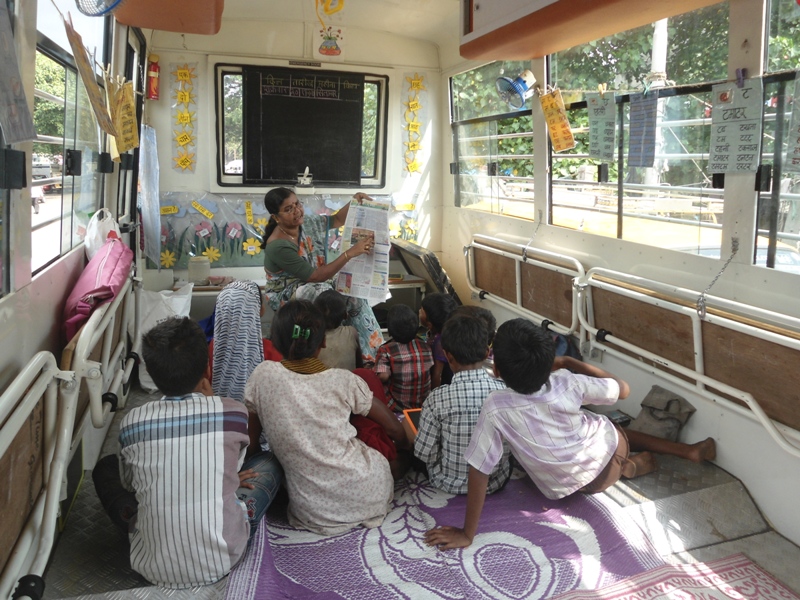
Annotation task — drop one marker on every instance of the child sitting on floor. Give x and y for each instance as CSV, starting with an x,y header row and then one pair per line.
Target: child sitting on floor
x,y
484,315
180,455
562,448
404,363
449,415
335,481
436,309
342,350
237,347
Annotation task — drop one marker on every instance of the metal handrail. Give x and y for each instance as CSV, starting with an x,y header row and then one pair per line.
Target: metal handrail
x,y
39,380
113,369
533,256
699,382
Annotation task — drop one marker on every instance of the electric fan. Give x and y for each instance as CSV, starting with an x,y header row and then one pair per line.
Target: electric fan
x,y
515,92
97,8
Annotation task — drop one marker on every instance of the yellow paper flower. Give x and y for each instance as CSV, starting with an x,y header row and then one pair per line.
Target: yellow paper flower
x,y
167,259
212,253
261,225
252,246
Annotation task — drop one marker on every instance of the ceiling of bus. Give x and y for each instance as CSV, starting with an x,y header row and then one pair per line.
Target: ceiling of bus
x,y
430,20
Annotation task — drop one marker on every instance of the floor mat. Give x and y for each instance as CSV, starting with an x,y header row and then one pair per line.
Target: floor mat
x,y
735,577
527,547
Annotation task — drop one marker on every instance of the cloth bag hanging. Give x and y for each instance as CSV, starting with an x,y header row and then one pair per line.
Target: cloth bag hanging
x,y
663,414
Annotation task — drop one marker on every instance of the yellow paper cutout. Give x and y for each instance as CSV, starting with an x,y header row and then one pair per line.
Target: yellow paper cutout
x,y
415,83
252,246
261,225
213,254
557,121
167,259
169,210
405,207
413,166
248,211
202,210
185,96
184,160
414,126
184,73
413,146
184,138
413,105
184,117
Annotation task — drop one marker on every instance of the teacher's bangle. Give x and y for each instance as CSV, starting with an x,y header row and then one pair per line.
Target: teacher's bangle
x,y
345,255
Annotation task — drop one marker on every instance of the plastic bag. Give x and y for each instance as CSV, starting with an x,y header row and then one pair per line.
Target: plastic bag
x,y
663,414
155,307
100,227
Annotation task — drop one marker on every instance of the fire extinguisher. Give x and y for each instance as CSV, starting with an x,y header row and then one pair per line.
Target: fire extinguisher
x,y
153,71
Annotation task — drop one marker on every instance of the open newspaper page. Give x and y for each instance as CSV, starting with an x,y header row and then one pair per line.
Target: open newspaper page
x,y
366,276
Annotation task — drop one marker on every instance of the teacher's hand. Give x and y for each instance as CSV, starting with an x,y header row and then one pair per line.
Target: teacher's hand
x,y
362,247
360,197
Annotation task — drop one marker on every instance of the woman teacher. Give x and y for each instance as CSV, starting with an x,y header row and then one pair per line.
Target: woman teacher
x,y
294,256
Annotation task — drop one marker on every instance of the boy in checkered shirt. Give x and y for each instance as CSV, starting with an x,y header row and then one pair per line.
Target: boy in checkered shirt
x,y
451,411
404,364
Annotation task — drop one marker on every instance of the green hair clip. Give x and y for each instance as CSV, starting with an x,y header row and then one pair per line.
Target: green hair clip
x,y
299,332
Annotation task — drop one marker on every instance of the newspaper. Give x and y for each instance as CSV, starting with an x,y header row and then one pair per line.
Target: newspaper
x,y
366,276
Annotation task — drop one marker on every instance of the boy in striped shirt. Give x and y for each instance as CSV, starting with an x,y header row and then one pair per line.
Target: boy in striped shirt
x,y
197,501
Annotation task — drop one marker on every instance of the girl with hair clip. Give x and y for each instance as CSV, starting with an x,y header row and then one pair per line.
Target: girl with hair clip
x,y
294,256
335,481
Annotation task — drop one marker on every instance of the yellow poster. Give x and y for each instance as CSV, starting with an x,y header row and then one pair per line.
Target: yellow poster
x,y
557,122
89,80
125,119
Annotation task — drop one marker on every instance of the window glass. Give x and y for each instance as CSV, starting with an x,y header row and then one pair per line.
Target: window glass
x,y
673,204
689,48
232,123
61,204
493,144
784,32
51,24
474,93
778,240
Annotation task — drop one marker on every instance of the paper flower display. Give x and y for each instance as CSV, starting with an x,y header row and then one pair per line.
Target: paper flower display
x,y
252,246
233,230
212,253
203,229
261,225
167,259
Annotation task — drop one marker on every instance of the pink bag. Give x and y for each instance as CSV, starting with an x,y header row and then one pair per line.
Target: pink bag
x,y
100,282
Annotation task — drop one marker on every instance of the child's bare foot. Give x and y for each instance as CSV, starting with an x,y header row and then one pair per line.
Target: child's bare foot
x,y
639,464
705,450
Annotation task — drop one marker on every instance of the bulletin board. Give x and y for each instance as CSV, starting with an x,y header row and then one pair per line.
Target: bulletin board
x,y
547,293
496,274
302,118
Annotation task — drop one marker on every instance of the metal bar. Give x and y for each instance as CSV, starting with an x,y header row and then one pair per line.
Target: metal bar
x,y
700,380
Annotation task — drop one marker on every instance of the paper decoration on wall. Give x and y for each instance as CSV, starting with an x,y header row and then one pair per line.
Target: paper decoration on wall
x,y
329,39
86,71
414,117
736,127
184,116
557,122
14,114
121,106
792,163
602,125
642,144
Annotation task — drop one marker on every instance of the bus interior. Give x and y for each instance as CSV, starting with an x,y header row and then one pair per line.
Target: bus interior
x,y
624,174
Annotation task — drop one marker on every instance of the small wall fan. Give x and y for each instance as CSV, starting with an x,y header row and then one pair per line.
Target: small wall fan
x,y
515,92
97,8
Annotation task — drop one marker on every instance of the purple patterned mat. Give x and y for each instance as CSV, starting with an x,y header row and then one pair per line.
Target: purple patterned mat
x,y
527,547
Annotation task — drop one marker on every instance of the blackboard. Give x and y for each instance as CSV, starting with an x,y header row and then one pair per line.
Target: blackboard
x,y
301,118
